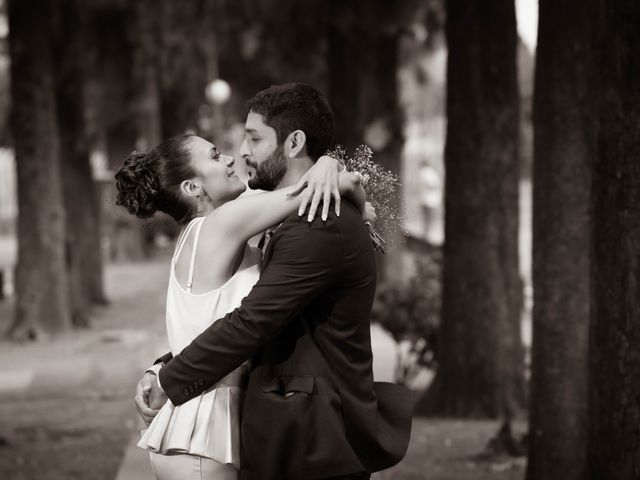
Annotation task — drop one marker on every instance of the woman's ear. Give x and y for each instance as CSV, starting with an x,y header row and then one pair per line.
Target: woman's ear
x,y
295,143
191,188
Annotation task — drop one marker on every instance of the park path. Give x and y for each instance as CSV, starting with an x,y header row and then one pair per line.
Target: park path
x,y
71,399
72,396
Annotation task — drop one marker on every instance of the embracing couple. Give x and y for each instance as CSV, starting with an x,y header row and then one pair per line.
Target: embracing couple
x,y
270,370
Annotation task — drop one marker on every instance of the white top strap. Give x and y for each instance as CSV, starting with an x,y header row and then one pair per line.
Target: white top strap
x,y
183,238
193,254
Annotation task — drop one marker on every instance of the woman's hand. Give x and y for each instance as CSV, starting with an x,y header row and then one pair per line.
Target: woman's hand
x,y
350,185
322,183
369,213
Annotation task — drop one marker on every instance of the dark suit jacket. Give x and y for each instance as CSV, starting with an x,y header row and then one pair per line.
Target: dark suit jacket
x,y
311,408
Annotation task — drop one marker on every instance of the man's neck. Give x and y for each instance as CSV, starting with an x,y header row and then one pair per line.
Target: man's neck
x,y
296,168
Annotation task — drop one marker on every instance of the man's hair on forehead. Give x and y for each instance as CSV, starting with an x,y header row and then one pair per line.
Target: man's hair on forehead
x,y
297,106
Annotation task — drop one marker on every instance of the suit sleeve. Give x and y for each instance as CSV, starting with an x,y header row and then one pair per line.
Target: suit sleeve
x,y
164,358
306,260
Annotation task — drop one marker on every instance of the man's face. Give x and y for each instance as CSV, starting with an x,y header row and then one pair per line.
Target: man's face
x,y
266,164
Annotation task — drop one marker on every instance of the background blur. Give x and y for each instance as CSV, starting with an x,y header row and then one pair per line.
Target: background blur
x,y
433,87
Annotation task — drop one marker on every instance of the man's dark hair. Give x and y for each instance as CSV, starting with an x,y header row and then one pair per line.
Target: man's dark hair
x,y
296,106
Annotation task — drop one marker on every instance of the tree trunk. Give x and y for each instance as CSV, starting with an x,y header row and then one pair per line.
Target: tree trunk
x,y
42,295
84,252
183,65
145,82
561,244
481,361
349,40
615,273
363,89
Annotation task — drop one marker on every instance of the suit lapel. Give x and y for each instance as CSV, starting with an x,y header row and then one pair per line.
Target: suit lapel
x,y
266,256
268,251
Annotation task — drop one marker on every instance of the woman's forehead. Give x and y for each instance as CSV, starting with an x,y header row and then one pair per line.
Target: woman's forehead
x,y
199,144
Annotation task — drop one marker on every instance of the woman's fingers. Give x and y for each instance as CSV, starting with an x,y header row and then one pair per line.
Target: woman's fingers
x,y
317,196
336,199
369,213
306,196
326,202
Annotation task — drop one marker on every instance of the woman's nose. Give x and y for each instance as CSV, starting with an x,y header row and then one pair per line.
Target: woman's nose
x,y
228,160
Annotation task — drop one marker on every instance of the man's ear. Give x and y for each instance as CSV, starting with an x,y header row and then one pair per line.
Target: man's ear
x,y
191,188
295,144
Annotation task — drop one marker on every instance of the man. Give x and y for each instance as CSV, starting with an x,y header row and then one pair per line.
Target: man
x,y
311,408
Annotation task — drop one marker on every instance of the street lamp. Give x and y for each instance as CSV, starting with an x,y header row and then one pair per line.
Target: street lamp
x,y
217,93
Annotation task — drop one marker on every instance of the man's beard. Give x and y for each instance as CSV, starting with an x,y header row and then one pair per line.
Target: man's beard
x,y
269,173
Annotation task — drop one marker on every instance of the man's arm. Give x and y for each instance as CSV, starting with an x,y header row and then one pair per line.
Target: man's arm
x,y
307,258
164,359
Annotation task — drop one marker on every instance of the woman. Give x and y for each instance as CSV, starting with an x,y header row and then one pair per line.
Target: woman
x,y
212,269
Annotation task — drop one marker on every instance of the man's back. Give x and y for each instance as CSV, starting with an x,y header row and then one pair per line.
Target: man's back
x,y
311,409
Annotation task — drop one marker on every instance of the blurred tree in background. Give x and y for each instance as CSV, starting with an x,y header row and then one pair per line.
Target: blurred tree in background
x,y
481,358
614,393
266,42
83,243
41,274
186,28
144,38
561,242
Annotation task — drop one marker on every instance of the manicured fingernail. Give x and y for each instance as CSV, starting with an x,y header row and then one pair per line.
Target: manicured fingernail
x,y
324,218
300,212
310,218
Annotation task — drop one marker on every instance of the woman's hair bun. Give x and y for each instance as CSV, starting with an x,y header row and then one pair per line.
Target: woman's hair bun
x,y
137,186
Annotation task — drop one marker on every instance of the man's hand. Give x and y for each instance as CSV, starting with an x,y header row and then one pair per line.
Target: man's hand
x,y
157,397
369,213
142,398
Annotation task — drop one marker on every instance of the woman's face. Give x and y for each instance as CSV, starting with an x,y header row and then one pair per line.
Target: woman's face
x,y
216,172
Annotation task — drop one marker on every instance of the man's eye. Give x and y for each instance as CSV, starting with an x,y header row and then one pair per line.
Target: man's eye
x,y
254,140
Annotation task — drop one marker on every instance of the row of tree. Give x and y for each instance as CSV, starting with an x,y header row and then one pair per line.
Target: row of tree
x,y
584,401
114,75
60,267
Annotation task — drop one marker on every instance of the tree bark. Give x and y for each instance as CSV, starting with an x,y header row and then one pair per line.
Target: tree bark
x,y
183,65
363,87
615,273
364,42
481,361
561,243
145,80
84,252
42,296
349,41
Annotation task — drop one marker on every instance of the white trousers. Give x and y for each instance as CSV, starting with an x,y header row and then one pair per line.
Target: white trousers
x,y
190,467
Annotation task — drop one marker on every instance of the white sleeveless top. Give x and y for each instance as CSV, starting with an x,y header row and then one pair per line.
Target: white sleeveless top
x,y
208,425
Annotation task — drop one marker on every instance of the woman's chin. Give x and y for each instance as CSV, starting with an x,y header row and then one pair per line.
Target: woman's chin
x,y
238,190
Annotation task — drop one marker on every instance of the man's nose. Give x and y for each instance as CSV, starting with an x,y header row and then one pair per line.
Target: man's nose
x,y
244,149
